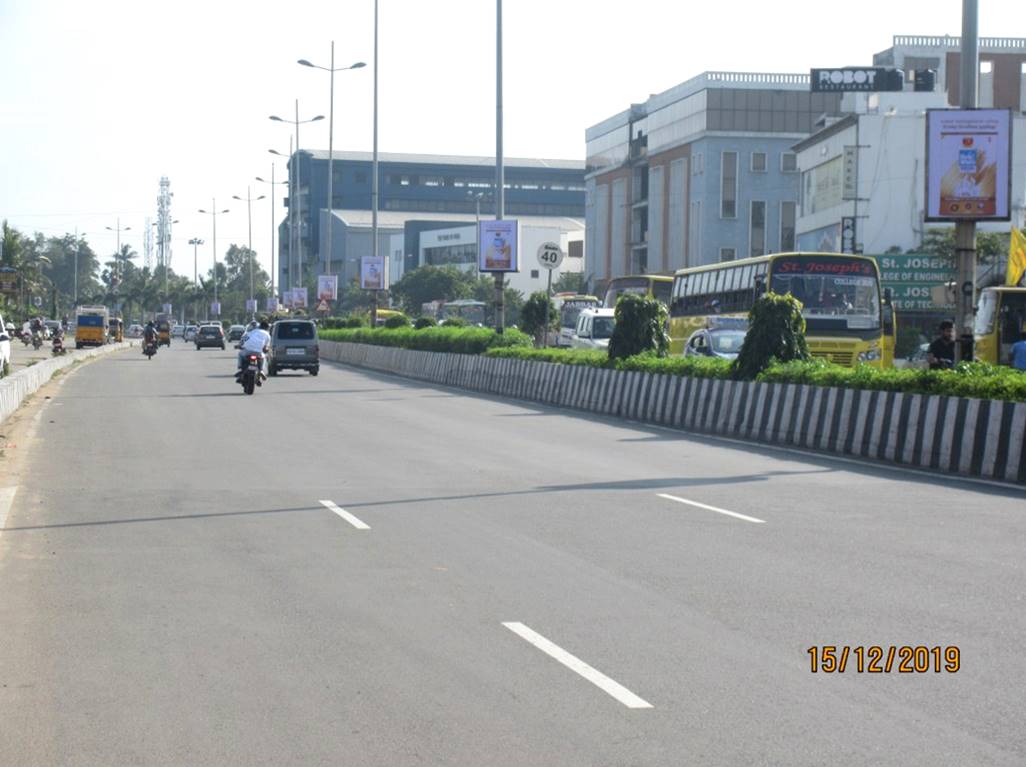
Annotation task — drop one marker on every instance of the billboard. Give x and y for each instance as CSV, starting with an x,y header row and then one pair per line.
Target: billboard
x,y
8,280
272,304
299,298
373,273
497,246
912,278
327,287
215,308
968,163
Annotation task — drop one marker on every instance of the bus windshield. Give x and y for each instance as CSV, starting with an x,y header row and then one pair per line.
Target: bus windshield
x,y
638,286
572,307
831,290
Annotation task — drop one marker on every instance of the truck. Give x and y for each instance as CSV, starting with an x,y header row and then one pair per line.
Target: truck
x,y
91,326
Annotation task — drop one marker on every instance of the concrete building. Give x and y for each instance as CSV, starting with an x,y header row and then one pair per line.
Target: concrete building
x,y
700,173
431,188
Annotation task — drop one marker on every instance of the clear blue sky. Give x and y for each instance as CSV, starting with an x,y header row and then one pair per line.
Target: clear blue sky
x,y
100,99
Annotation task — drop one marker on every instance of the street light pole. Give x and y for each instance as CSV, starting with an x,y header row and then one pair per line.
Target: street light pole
x,y
331,135
213,214
965,231
117,262
249,223
272,182
500,310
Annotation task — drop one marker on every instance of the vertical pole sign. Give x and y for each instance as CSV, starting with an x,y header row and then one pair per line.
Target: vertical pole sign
x,y
550,256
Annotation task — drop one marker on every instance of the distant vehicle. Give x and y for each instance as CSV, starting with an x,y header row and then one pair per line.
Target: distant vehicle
x,y
594,329
720,339
915,361
91,326
189,334
569,306
135,331
52,326
470,310
294,345
656,286
177,331
5,346
235,332
209,335
1000,318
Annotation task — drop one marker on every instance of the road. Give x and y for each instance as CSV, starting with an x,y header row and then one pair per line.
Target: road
x,y
488,583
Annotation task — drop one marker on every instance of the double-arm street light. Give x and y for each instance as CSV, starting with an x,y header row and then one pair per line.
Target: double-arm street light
x,y
195,242
117,260
273,183
213,214
249,222
297,187
332,69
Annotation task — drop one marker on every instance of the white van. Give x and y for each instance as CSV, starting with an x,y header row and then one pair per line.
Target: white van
x,y
594,329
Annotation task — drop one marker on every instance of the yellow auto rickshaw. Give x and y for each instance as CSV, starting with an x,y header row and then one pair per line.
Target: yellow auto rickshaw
x,y
163,333
116,330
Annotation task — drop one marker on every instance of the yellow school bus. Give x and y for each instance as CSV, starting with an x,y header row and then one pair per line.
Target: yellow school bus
x,y
1000,318
658,286
840,295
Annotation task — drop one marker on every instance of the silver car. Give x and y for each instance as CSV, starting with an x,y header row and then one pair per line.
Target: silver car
x,y
294,346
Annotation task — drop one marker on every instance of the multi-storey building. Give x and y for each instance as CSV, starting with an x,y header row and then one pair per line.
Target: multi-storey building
x,y
437,190
700,173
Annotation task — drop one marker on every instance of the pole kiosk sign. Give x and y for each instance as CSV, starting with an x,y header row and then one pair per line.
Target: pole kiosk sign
x,y
327,287
497,246
373,273
968,164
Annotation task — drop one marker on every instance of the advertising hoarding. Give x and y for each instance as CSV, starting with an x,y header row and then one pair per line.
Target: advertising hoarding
x,y
299,298
968,163
373,273
497,246
912,278
327,287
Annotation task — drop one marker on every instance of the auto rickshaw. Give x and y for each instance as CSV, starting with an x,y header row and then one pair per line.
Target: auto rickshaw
x,y
163,333
116,330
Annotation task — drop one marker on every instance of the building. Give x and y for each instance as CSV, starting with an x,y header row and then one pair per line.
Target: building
x,y
438,189
700,173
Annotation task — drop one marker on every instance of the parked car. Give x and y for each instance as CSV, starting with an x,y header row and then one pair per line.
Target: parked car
x,y
209,335
724,343
178,331
593,330
235,332
294,346
189,334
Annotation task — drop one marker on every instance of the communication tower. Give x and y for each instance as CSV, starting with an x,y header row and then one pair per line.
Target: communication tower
x,y
164,223
148,244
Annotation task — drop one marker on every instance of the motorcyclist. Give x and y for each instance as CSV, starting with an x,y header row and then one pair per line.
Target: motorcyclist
x,y
149,335
256,341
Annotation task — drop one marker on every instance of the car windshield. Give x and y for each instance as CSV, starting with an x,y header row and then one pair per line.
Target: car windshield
x,y
296,331
726,341
602,327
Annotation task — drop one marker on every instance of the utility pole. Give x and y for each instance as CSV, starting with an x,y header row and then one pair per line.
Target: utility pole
x,y
500,187
965,231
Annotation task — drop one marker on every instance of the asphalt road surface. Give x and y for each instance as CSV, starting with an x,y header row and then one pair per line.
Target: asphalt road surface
x,y
354,569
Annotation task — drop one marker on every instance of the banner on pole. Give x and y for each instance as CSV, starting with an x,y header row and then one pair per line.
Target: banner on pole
x,y
327,287
373,273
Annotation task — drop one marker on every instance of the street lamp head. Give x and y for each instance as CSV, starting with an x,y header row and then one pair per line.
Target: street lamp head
x,y
203,211
275,151
358,65
261,197
304,62
277,119
259,179
315,119
236,197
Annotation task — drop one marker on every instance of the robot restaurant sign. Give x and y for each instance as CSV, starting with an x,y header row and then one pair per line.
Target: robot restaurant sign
x,y
852,79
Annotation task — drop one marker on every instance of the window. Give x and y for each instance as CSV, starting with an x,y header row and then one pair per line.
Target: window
x,y
697,165
758,162
534,274
789,162
728,185
361,177
757,229
787,216
728,254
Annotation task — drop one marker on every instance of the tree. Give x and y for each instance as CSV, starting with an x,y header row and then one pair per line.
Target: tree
x,y
639,326
776,330
570,282
429,283
532,316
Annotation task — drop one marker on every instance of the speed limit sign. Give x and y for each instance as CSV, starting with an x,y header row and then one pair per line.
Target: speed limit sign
x,y
549,255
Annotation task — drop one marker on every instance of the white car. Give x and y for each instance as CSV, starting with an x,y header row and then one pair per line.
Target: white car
x,y
177,331
189,334
594,329
135,331
5,347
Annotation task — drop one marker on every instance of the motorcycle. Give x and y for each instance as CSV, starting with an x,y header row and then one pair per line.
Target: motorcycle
x,y
37,340
57,346
149,349
252,372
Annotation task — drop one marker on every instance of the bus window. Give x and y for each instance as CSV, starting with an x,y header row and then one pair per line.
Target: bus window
x,y
661,291
985,313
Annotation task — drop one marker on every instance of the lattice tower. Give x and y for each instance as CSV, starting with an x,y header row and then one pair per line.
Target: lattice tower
x,y
148,244
164,223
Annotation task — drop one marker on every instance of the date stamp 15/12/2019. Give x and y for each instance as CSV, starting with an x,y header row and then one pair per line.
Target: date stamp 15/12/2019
x,y
877,659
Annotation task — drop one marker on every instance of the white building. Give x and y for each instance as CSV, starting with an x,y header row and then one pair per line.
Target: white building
x,y
871,166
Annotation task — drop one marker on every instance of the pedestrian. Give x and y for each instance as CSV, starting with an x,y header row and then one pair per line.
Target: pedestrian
x,y
1019,352
941,354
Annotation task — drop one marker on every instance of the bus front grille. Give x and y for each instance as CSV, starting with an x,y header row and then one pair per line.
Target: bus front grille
x,y
838,358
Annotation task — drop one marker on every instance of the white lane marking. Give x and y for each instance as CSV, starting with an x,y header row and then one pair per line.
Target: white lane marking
x,y
712,508
6,500
597,678
330,506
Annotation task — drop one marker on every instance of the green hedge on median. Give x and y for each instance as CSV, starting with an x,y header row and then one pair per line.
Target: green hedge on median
x,y
974,380
432,339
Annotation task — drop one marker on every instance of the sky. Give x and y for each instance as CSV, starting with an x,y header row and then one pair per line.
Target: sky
x,y
100,99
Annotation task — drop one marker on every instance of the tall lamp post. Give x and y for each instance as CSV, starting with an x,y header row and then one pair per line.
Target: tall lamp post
x,y
272,182
249,223
213,214
332,69
297,187
195,242
117,261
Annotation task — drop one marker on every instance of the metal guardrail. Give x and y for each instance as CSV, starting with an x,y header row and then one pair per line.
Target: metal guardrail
x,y
932,41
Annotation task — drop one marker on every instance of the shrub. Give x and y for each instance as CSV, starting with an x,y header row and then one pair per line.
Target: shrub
x,y
440,339
639,327
595,358
532,315
398,321
455,322
354,321
776,330
424,322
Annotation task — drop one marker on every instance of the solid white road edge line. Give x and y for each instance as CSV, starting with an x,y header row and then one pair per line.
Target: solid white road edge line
x,y
330,506
597,678
6,500
712,508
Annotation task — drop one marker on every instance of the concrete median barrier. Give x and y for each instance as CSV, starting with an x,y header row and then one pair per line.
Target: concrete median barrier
x,y
17,386
982,438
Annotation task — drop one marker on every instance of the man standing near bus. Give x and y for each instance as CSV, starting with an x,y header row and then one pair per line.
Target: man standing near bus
x,y
1019,352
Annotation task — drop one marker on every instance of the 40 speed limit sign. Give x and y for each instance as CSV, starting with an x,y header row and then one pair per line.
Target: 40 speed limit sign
x,y
549,255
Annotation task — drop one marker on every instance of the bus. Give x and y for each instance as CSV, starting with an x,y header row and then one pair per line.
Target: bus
x,y
467,308
1000,318
658,286
569,306
840,295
